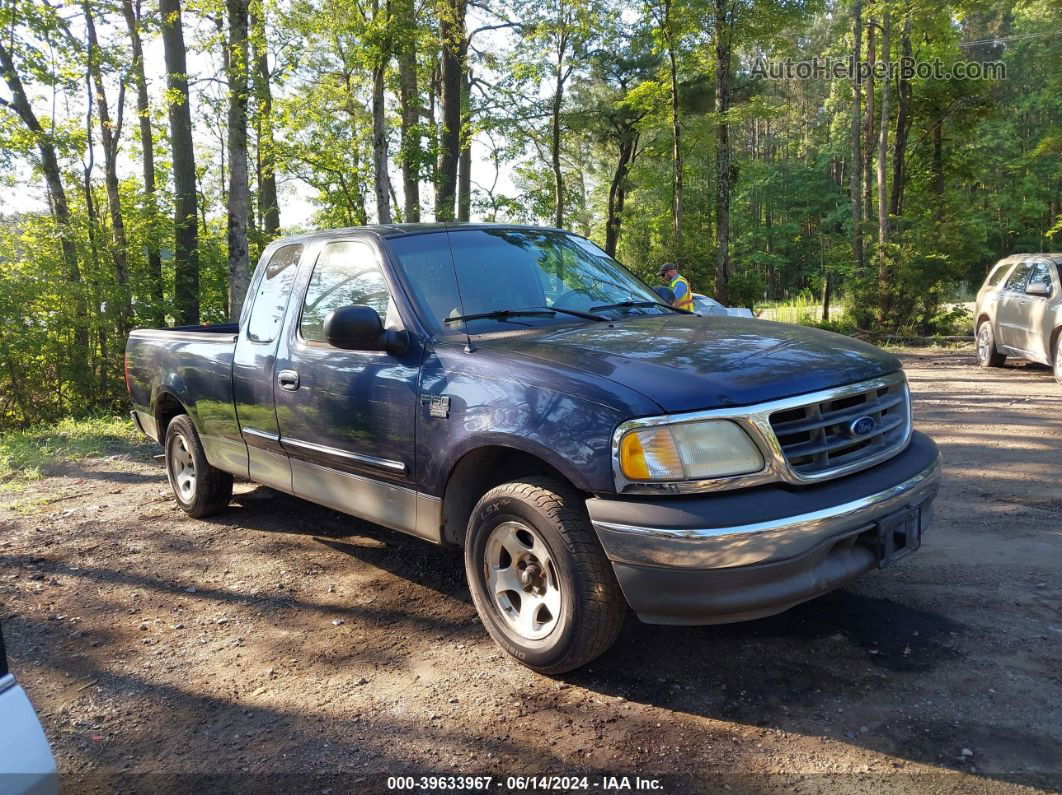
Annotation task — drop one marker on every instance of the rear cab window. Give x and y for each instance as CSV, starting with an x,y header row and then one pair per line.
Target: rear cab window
x,y
271,294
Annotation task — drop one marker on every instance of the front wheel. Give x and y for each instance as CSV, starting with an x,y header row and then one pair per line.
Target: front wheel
x,y
541,583
987,355
201,489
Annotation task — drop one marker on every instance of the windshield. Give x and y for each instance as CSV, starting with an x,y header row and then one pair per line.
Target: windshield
x,y
516,269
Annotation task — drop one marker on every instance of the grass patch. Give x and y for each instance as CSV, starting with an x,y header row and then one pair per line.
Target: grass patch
x,y
25,455
803,310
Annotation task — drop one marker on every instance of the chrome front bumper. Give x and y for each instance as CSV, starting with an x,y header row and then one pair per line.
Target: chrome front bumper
x,y
738,555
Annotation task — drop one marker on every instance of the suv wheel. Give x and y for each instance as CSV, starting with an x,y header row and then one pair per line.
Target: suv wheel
x,y
539,579
987,355
201,490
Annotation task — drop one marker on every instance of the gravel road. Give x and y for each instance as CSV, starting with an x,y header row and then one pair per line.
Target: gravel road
x,y
284,646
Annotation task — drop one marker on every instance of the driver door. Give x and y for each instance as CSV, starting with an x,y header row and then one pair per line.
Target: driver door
x,y
346,417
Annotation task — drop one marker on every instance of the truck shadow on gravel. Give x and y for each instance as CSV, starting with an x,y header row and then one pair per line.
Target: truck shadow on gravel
x,y
853,666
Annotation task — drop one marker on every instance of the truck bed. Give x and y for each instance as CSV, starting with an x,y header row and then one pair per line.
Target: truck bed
x,y
193,366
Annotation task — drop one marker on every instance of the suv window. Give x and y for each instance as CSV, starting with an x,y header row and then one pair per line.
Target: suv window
x,y
271,294
1041,272
1017,278
997,274
345,273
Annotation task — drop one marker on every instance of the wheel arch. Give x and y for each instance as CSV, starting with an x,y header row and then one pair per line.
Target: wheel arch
x,y
167,406
479,470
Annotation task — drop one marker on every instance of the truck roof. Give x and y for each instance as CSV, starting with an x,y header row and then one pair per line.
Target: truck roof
x,y
400,230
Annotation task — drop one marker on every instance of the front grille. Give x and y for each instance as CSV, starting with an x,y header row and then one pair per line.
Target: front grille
x,y
820,437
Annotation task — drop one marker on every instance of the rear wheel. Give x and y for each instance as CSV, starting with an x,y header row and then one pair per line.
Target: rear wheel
x,y
542,585
987,355
201,489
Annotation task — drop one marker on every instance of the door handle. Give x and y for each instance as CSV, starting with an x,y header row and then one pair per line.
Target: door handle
x,y
288,379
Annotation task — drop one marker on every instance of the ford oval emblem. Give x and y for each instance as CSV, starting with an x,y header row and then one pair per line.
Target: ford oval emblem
x,y
861,426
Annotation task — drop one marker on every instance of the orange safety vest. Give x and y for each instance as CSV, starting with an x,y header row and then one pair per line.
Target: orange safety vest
x,y
686,301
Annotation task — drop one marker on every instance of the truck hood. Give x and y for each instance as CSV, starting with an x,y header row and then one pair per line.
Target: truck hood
x,y
685,362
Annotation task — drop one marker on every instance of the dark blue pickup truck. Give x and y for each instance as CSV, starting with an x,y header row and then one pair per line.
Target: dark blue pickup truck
x,y
515,391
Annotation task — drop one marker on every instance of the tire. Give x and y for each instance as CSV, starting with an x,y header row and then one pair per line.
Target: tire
x,y
556,563
987,355
200,489
1058,359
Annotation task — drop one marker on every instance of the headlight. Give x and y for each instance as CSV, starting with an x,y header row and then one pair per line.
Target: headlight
x,y
688,451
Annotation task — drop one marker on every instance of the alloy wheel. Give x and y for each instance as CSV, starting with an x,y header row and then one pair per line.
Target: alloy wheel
x,y
522,580
182,468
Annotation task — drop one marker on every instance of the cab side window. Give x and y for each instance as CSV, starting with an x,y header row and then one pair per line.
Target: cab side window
x,y
346,272
1016,281
1041,273
271,294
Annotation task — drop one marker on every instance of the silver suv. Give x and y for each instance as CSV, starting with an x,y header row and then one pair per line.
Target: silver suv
x,y
1019,312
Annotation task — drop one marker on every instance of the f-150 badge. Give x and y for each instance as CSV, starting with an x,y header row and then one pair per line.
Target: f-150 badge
x,y
439,406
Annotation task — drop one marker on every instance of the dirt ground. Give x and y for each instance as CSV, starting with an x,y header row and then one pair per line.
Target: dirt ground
x,y
282,646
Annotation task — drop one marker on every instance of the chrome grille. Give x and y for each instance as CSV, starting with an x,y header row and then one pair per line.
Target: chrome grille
x,y
819,437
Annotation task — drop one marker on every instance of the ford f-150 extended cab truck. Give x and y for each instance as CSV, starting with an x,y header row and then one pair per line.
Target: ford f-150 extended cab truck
x,y
517,392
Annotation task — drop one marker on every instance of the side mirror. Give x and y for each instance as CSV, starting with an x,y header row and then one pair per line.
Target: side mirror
x,y
359,328
1038,288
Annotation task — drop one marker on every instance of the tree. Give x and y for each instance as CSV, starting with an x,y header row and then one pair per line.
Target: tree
x,y
452,46
666,25
239,198
856,188
131,11
186,249
110,135
883,153
409,100
60,209
268,205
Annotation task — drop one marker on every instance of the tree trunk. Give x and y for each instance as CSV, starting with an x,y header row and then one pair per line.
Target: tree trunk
x,y
856,188
381,180
868,133
676,133
904,118
555,133
937,169
186,200
724,176
239,199
464,171
131,10
883,152
79,360
110,133
409,99
452,39
617,191
268,205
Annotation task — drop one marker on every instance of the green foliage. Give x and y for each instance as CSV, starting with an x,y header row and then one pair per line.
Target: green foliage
x,y
25,454
981,173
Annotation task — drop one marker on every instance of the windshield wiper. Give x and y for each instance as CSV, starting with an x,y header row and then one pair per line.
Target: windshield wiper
x,y
577,313
503,314
628,304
